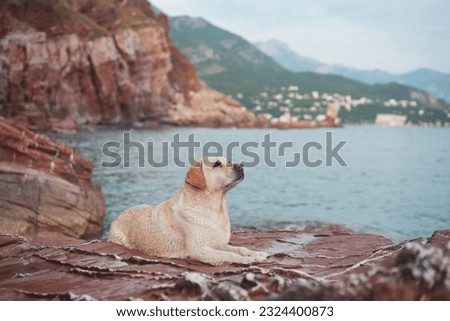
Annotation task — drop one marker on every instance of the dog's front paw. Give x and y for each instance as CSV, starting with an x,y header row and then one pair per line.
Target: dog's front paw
x,y
247,260
260,256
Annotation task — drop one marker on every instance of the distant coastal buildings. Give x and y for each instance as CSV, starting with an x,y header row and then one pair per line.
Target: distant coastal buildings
x,y
288,103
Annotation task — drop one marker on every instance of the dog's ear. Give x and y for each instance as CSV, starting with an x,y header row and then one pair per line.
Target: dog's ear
x,y
195,176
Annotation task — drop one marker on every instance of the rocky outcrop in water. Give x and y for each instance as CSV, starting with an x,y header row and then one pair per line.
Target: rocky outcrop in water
x,y
45,187
328,263
65,64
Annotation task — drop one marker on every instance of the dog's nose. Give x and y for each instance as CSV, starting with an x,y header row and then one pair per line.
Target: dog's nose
x,y
238,166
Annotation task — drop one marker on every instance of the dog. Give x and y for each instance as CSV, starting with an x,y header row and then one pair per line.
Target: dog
x,y
194,223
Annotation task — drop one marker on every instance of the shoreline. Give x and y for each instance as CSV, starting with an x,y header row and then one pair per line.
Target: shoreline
x,y
100,128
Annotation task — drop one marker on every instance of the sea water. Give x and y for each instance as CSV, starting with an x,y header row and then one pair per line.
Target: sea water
x,y
395,181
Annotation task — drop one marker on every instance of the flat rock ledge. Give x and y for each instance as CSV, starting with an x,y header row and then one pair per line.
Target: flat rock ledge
x,y
311,264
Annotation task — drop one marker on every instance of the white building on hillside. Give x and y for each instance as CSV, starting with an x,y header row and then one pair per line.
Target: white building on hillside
x,y
390,120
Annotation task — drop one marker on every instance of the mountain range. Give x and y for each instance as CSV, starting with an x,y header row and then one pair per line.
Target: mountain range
x,y
434,82
233,65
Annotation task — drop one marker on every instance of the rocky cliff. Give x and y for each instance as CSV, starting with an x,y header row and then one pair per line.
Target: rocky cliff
x,y
69,63
45,187
313,264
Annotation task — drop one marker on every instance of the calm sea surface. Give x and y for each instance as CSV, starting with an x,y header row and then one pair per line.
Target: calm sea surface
x,y
397,182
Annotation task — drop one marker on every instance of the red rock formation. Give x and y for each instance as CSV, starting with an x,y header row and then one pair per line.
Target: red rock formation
x,y
100,62
312,264
407,271
45,187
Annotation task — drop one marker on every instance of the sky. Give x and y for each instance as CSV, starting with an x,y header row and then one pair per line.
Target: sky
x,y
391,35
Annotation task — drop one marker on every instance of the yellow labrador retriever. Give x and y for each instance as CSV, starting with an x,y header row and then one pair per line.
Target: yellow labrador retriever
x,y
194,223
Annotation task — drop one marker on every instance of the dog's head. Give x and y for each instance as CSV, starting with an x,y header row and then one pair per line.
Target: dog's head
x,y
214,174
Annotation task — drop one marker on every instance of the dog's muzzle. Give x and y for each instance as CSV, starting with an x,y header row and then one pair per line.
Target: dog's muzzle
x,y
239,171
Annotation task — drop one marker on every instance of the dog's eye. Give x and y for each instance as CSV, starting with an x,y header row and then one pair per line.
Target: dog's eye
x,y
217,164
